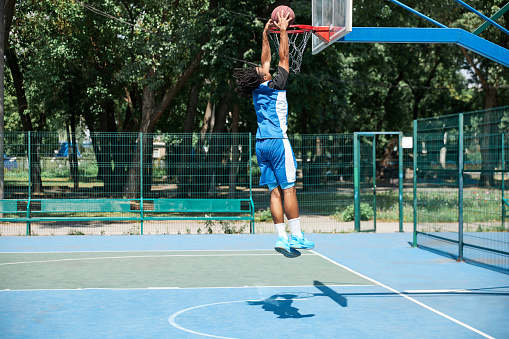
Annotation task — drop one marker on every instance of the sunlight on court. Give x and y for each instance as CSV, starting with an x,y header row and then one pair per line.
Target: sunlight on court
x,y
167,269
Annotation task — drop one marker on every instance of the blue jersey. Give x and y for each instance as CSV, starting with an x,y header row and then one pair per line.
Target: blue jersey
x,y
271,112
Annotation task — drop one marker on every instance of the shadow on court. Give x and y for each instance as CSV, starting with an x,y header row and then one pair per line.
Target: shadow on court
x,y
328,292
281,304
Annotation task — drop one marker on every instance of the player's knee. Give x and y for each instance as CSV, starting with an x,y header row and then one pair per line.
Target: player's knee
x,y
276,193
289,188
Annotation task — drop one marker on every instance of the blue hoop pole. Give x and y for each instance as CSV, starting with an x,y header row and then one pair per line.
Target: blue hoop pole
x,y
429,35
482,16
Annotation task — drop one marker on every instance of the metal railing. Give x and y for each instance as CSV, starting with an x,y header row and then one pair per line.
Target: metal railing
x,y
461,178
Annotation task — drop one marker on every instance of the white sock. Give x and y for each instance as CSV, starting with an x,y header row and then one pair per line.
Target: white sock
x,y
280,228
295,226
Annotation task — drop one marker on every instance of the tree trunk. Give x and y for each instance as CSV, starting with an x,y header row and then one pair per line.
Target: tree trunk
x,y
151,113
207,119
186,147
132,99
72,147
111,173
17,78
222,111
216,173
192,107
35,163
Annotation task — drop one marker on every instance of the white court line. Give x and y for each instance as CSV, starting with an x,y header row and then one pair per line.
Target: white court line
x,y
436,291
169,288
129,251
408,298
172,322
142,256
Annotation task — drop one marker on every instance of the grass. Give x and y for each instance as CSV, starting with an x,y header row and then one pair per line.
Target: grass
x,y
263,215
438,206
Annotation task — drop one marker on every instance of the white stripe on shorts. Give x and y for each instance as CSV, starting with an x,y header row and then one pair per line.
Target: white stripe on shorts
x,y
282,111
289,163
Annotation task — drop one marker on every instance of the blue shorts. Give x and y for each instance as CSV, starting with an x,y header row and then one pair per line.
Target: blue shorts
x,y
277,162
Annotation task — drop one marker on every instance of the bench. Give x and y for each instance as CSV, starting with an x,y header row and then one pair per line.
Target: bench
x,y
37,210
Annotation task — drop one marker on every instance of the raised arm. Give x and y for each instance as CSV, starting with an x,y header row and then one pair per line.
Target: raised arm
x,y
284,49
266,54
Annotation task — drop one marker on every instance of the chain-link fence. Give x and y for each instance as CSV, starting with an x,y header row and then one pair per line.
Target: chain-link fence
x,y
95,171
88,170
461,184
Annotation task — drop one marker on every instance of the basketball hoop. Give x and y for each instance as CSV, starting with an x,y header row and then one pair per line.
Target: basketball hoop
x,y
298,36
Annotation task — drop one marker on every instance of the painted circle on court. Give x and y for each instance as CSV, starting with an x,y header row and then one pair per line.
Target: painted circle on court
x,y
281,304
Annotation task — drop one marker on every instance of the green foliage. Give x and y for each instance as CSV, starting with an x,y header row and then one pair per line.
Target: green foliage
x,y
76,61
366,213
229,228
134,230
255,171
75,232
208,226
84,170
263,215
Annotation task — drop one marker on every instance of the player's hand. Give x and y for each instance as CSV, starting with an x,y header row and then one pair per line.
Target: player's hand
x,y
268,25
283,21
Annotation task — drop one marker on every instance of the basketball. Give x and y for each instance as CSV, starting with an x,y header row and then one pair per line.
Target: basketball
x,y
284,9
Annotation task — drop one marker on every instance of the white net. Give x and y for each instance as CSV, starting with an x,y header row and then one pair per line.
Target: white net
x,y
297,43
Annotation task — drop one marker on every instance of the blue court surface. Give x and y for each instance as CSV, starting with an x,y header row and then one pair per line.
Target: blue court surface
x,y
237,286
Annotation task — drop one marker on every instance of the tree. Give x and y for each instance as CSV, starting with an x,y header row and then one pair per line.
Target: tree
x,y
125,67
491,77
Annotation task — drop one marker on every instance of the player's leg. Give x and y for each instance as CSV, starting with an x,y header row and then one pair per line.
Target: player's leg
x,y
276,205
276,209
285,169
291,205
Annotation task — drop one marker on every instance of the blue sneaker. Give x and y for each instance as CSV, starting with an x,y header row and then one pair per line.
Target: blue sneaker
x,y
283,246
301,242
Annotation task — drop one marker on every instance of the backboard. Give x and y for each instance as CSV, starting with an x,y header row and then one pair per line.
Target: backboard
x,y
335,14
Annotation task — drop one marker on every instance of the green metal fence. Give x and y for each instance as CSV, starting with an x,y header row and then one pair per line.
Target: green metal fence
x,y
43,169
368,174
104,176
460,186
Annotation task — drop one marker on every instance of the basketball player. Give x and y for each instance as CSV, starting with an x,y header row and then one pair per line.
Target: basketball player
x,y
273,150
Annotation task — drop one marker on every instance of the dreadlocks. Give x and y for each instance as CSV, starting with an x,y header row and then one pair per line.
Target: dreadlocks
x,y
247,80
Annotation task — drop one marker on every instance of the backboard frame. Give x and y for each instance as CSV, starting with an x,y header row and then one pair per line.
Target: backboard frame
x,y
334,14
